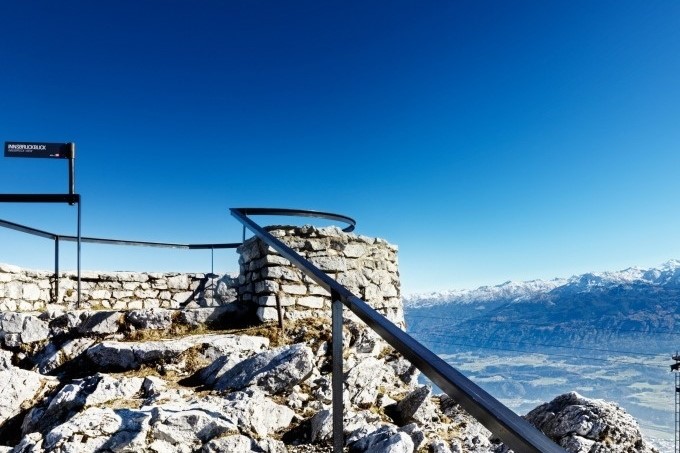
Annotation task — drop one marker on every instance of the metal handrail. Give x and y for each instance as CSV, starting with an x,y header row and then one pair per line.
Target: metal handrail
x,y
93,240
513,430
57,238
300,213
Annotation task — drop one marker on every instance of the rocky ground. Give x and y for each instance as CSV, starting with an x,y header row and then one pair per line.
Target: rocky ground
x,y
160,380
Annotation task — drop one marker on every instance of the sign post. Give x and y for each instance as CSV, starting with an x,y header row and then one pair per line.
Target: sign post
x,y
49,151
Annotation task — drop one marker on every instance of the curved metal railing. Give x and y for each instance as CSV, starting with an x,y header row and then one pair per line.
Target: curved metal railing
x,y
300,213
513,430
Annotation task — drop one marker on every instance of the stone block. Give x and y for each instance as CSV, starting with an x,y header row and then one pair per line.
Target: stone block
x,y
12,340
118,295
310,302
294,289
275,259
267,301
100,294
135,304
25,306
44,284
354,250
12,322
316,290
330,263
178,282
266,286
13,290
287,300
34,330
103,322
183,296
389,290
284,273
267,314
146,293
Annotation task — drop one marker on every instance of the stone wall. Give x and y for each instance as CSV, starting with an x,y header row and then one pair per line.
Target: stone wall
x,y
366,266
27,290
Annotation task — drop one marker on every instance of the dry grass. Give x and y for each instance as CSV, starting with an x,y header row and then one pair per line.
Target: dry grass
x,y
176,330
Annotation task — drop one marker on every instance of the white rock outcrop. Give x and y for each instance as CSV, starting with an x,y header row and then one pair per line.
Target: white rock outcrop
x,y
581,424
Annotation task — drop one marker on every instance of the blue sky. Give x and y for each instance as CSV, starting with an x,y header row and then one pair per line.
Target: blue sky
x,y
491,141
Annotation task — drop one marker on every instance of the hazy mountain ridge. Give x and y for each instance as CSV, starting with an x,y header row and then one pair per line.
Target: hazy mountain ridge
x,y
667,275
620,308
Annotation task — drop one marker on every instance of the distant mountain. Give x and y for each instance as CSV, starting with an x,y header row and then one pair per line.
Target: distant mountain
x,y
666,276
620,307
608,335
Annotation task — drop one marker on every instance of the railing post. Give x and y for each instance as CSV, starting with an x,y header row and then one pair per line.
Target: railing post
x,y
78,241
56,269
337,382
212,273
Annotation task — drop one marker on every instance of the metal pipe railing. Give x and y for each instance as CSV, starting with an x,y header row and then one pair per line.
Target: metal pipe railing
x,y
92,240
513,430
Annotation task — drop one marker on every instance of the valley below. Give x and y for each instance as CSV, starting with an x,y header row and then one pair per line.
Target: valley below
x,y
607,336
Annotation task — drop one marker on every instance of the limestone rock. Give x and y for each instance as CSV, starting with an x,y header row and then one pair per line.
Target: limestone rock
x,y
34,330
5,360
21,389
274,371
115,355
581,424
243,444
54,355
233,345
404,369
28,328
355,425
101,323
11,322
439,446
226,288
156,318
416,434
321,426
31,443
385,440
100,429
235,442
416,406
254,411
271,446
208,315
81,393
187,425
65,323
471,435
363,381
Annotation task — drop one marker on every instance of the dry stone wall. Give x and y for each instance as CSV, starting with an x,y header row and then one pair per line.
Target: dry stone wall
x,y
28,290
366,266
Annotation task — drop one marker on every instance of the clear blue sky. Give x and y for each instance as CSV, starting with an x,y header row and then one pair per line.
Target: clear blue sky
x,y
489,140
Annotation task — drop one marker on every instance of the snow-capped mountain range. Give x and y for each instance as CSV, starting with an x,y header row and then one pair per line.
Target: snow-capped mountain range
x,y
666,275
608,335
